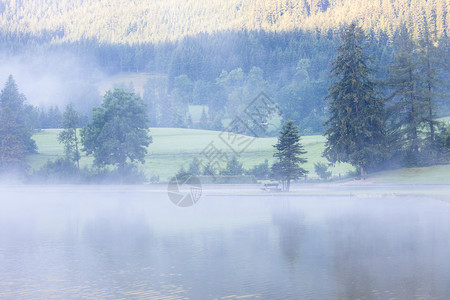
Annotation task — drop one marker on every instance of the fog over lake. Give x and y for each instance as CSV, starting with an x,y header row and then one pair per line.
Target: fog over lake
x,y
132,242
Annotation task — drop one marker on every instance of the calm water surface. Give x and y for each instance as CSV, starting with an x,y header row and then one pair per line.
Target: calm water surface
x,y
83,242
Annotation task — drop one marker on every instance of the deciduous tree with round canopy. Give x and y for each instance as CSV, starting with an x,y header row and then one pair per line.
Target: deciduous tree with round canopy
x,y
118,133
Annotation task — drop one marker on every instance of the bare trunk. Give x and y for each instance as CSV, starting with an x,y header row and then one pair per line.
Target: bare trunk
x,y
430,100
76,149
415,146
288,185
363,173
431,122
121,170
430,107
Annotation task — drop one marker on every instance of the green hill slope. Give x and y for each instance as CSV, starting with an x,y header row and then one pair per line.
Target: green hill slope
x,y
439,174
174,147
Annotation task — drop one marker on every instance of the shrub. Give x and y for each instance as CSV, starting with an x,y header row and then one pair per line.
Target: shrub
x,y
322,170
60,170
261,171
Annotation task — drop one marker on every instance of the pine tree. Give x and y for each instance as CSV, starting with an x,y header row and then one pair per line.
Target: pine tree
x,y
194,167
407,109
189,121
68,136
216,124
322,170
355,130
234,167
54,117
429,68
288,152
260,171
209,170
15,135
204,119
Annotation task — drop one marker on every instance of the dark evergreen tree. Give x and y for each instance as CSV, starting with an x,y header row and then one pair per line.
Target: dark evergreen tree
x,y
204,119
216,124
430,67
408,107
209,170
31,116
15,135
355,130
288,154
322,170
189,122
167,113
260,171
442,144
54,117
194,167
234,167
183,89
181,175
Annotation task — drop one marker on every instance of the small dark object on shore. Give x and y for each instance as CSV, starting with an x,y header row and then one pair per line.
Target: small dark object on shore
x,y
271,187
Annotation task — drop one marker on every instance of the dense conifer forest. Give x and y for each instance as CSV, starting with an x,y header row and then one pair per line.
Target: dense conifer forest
x,y
219,55
137,22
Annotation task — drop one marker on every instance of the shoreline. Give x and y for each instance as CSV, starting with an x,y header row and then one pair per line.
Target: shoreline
x,y
297,189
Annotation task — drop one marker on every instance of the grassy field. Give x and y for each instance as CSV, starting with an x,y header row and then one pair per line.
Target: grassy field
x,y
426,175
445,119
174,147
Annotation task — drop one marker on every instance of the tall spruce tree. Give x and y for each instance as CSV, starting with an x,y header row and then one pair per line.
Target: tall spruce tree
x,y
204,119
234,167
15,134
430,62
288,152
355,130
408,106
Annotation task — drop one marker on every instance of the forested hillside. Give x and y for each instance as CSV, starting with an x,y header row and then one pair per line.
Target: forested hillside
x,y
219,54
216,56
125,21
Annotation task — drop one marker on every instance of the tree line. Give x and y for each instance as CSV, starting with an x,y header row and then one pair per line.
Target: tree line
x,y
367,128
291,65
373,121
138,22
298,88
116,135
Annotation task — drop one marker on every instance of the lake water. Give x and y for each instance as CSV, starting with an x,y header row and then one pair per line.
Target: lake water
x,y
124,242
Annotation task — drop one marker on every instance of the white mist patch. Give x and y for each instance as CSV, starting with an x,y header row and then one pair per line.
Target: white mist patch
x,y
53,79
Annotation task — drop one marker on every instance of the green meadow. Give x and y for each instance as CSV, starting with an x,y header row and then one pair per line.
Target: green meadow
x,y
439,174
173,148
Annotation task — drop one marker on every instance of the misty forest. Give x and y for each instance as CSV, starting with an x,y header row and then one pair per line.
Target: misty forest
x,y
311,108
189,74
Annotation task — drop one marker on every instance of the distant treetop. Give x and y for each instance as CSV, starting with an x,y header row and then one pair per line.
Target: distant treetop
x,y
132,22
